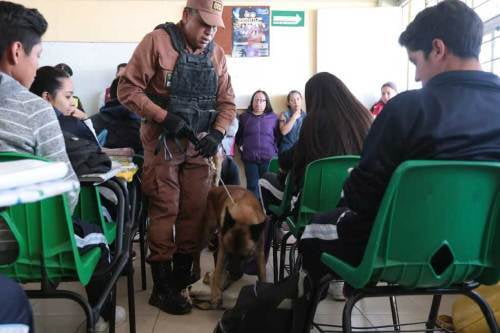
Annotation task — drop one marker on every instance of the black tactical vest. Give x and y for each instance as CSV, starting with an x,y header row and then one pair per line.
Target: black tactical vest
x,y
193,84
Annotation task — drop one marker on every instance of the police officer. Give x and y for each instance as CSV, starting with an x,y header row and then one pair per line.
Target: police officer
x,y
177,81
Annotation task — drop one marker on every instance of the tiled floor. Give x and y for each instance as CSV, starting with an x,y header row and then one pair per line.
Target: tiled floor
x,y
63,316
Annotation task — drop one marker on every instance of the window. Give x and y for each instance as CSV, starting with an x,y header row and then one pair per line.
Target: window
x,y
488,11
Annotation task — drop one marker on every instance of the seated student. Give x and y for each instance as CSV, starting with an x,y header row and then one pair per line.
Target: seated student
x,y
336,124
257,138
291,121
15,313
28,124
76,102
56,87
122,125
455,116
105,97
230,173
387,91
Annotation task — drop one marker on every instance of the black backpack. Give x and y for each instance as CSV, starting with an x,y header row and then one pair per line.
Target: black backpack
x,y
267,307
86,156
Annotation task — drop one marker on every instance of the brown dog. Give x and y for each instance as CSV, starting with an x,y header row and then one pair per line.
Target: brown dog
x,y
240,226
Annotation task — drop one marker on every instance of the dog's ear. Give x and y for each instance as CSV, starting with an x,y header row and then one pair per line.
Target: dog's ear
x,y
256,230
228,222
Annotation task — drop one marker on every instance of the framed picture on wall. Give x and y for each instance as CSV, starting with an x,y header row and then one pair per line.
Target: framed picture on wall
x,y
251,31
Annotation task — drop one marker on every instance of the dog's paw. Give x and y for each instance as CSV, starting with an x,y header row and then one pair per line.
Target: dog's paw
x,y
207,279
208,305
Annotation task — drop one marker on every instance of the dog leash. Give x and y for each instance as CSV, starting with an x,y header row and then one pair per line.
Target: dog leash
x,y
214,169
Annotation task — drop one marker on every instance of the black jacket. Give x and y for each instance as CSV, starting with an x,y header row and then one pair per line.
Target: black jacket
x,y
123,126
456,116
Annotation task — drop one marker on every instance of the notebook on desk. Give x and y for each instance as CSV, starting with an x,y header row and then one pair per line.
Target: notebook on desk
x,y
102,177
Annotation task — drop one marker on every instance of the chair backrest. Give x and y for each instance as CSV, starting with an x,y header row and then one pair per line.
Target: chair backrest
x,y
45,236
274,165
323,181
438,224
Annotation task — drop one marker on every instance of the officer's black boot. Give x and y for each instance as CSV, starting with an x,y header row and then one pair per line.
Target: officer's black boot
x,y
183,274
165,295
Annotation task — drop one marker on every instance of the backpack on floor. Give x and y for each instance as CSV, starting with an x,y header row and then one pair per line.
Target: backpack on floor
x,y
267,307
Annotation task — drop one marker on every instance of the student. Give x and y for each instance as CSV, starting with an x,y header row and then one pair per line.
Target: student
x,y
336,124
387,91
257,138
56,87
122,125
28,124
453,117
230,173
105,96
76,102
291,121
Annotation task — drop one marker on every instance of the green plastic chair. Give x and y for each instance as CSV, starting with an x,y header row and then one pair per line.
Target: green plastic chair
x,y
47,251
89,206
283,209
274,165
322,188
89,209
436,228
323,181
45,236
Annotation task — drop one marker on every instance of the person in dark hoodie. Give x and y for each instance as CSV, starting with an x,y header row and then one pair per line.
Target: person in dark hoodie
x,y
122,125
455,116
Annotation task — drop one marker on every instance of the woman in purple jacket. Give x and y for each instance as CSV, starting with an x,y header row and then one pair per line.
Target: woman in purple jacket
x,y
257,138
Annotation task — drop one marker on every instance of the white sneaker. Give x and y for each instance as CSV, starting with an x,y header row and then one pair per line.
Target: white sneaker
x,y
120,318
336,290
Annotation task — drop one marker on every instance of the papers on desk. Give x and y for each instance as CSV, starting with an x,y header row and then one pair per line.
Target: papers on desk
x,y
124,170
102,177
19,173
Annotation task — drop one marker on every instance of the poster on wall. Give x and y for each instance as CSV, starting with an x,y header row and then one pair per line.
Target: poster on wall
x,y
251,31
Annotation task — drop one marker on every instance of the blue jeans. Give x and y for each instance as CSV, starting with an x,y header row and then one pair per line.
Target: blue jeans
x,y
253,172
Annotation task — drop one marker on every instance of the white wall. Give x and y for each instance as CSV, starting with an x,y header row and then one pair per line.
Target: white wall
x,y
287,68
360,46
93,65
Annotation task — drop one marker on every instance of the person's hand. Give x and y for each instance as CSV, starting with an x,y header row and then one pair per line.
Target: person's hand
x,y
74,112
173,124
207,147
296,114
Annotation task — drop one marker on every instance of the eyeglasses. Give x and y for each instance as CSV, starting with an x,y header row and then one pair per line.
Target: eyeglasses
x,y
260,100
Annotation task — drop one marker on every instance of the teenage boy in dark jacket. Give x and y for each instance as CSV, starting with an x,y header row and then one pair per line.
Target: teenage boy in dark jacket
x,y
455,116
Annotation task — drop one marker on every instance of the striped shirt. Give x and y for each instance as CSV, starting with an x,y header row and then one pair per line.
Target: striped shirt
x,y
28,124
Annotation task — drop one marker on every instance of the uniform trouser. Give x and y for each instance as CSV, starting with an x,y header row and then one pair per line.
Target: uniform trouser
x,y
15,312
177,188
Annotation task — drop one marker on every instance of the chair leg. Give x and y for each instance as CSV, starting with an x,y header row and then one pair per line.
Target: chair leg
x,y
131,298
284,241
431,321
65,294
316,298
347,312
112,320
275,251
485,309
142,249
395,313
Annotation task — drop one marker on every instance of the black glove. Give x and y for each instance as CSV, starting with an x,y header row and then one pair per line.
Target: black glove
x,y
207,147
174,125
